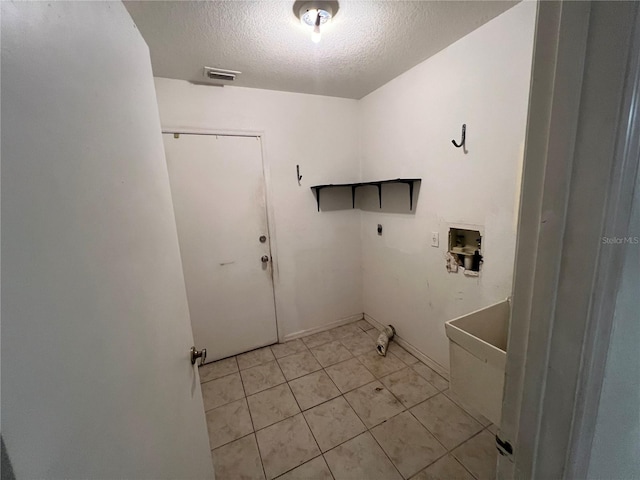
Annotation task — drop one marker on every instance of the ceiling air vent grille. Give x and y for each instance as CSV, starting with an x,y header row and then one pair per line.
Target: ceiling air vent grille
x,y
219,74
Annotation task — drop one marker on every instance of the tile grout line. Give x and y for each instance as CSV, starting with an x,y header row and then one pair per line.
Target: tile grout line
x,y
368,430
312,434
245,398
286,382
322,369
457,444
468,439
447,450
425,427
406,409
343,395
253,432
255,435
374,437
383,450
308,426
226,403
463,466
221,376
289,354
310,460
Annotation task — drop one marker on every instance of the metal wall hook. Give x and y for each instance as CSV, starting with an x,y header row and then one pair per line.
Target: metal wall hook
x,y
464,134
298,173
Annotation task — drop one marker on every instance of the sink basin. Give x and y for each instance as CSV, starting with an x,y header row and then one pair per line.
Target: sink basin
x,y
477,355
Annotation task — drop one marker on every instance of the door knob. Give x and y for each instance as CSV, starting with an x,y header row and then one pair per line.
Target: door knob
x,y
264,259
195,354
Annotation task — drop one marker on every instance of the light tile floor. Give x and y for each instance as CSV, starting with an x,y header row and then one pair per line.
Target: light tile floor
x,y
327,406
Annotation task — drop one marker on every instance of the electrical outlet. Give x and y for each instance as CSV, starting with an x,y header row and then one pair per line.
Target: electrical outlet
x,y
435,239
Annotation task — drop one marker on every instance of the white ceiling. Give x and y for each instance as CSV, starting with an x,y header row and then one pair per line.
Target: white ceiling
x,y
367,43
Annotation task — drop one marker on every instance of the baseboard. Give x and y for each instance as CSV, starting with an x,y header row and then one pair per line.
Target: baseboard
x,y
322,328
410,348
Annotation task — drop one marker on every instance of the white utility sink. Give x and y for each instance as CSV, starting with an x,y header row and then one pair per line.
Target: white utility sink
x,y
477,354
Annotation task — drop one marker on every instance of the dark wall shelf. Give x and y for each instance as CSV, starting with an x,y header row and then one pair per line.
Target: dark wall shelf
x,y
377,183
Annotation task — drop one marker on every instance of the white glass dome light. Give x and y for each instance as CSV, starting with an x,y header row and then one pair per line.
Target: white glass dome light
x,y
314,15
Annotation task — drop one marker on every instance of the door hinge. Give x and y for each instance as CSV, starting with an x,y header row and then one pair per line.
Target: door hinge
x,y
503,447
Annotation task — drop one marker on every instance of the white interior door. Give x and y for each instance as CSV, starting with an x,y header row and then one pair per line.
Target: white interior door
x,y
218,190
96,377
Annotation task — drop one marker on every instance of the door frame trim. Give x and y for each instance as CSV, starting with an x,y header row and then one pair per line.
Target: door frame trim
x,y
551,376
268,194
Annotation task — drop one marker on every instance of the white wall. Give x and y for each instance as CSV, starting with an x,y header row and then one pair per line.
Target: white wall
x,y
407,127
616,442
96,379
317,254
328,266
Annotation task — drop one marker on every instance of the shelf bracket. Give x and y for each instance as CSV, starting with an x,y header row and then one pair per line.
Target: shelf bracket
x,y
410,195
379,185
353,196
410,184
317,197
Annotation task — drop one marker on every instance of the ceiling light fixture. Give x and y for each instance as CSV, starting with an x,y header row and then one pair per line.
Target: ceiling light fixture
x,y
314,15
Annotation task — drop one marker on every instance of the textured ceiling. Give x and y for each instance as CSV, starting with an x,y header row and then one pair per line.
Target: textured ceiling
x,y
367,43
